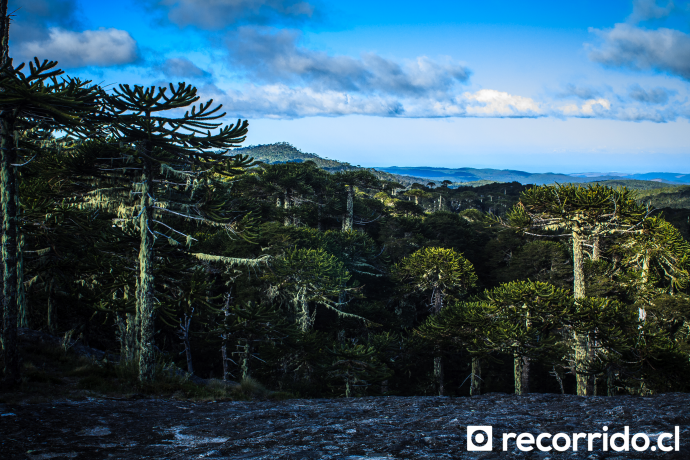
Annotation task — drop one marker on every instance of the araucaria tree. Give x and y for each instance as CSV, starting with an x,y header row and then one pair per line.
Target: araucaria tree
x,y
526,313
591,212
169,151
441,273
30,99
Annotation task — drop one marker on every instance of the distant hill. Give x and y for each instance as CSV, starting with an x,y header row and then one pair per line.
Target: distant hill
x,y
510,175
668,197
283,152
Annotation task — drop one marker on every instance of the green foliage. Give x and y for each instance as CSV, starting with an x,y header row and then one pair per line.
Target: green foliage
x,y
443,272
354,369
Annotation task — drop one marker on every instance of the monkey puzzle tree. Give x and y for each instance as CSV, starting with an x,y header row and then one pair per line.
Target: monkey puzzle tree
x,y
612,329
466,325
250,325
354,368
417,194
583,212
168,150
442,273
350,180
309,276
526,313
33,99
659,253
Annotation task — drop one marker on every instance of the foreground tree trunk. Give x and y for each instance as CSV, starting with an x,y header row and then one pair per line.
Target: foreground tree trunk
x,y
145,307
23,314
8,178
581,341
438,374
476,379
521,374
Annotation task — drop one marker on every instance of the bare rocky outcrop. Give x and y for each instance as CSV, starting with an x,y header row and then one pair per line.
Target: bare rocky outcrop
x,y
358,428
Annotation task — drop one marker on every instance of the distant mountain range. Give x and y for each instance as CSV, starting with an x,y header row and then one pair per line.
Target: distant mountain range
x,y
509,175
283,152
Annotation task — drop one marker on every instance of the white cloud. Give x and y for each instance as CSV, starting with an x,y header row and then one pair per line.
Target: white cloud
x,y
281,101
492,103
102,47
589,108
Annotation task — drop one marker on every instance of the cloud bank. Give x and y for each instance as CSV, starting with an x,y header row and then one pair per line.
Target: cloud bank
x,y
181,67
103,47
662,50
220,14
274,57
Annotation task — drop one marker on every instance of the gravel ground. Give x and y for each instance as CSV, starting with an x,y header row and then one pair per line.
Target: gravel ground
x,y
359,428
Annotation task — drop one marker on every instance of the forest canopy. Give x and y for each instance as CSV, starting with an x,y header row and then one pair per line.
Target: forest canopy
x,y
133,221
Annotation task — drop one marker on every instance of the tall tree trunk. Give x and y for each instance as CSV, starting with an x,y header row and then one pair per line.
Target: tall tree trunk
x,y
287,202
581,340
225,337
476,379
4,56
526,364
610,381
8,178
184,335
348,219
145,307
128,337
518,367
319,212
437,301
438,373
23,315
246,357
52,326
596,248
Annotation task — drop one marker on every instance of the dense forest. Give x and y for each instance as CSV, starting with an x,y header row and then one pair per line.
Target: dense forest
x,y
132,222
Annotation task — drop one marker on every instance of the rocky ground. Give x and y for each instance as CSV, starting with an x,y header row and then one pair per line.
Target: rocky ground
x,y
358,428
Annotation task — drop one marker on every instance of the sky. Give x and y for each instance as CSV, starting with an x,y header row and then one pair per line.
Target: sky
x,y
540,86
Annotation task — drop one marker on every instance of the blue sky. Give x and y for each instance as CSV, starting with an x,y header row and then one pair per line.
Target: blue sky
x,y
541,86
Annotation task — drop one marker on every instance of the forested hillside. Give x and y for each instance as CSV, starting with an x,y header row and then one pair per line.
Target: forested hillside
x,y
282,152
143,231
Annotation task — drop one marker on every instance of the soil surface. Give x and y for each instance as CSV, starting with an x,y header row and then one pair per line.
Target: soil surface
x,y
358,428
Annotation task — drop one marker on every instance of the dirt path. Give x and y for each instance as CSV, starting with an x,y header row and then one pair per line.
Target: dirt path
x,y
371,428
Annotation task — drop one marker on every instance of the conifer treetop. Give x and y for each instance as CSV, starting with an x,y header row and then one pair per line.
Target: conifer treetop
x,y
40,96
133,116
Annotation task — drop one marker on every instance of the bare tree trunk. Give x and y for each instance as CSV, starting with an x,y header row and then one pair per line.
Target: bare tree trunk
x,y
596,248
23,316
52,326
8,177
581,340
438,373
476,379
610,381
348,219
287,202
184,335
518,365
145,307
246,357
319,213
224,337
526,364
